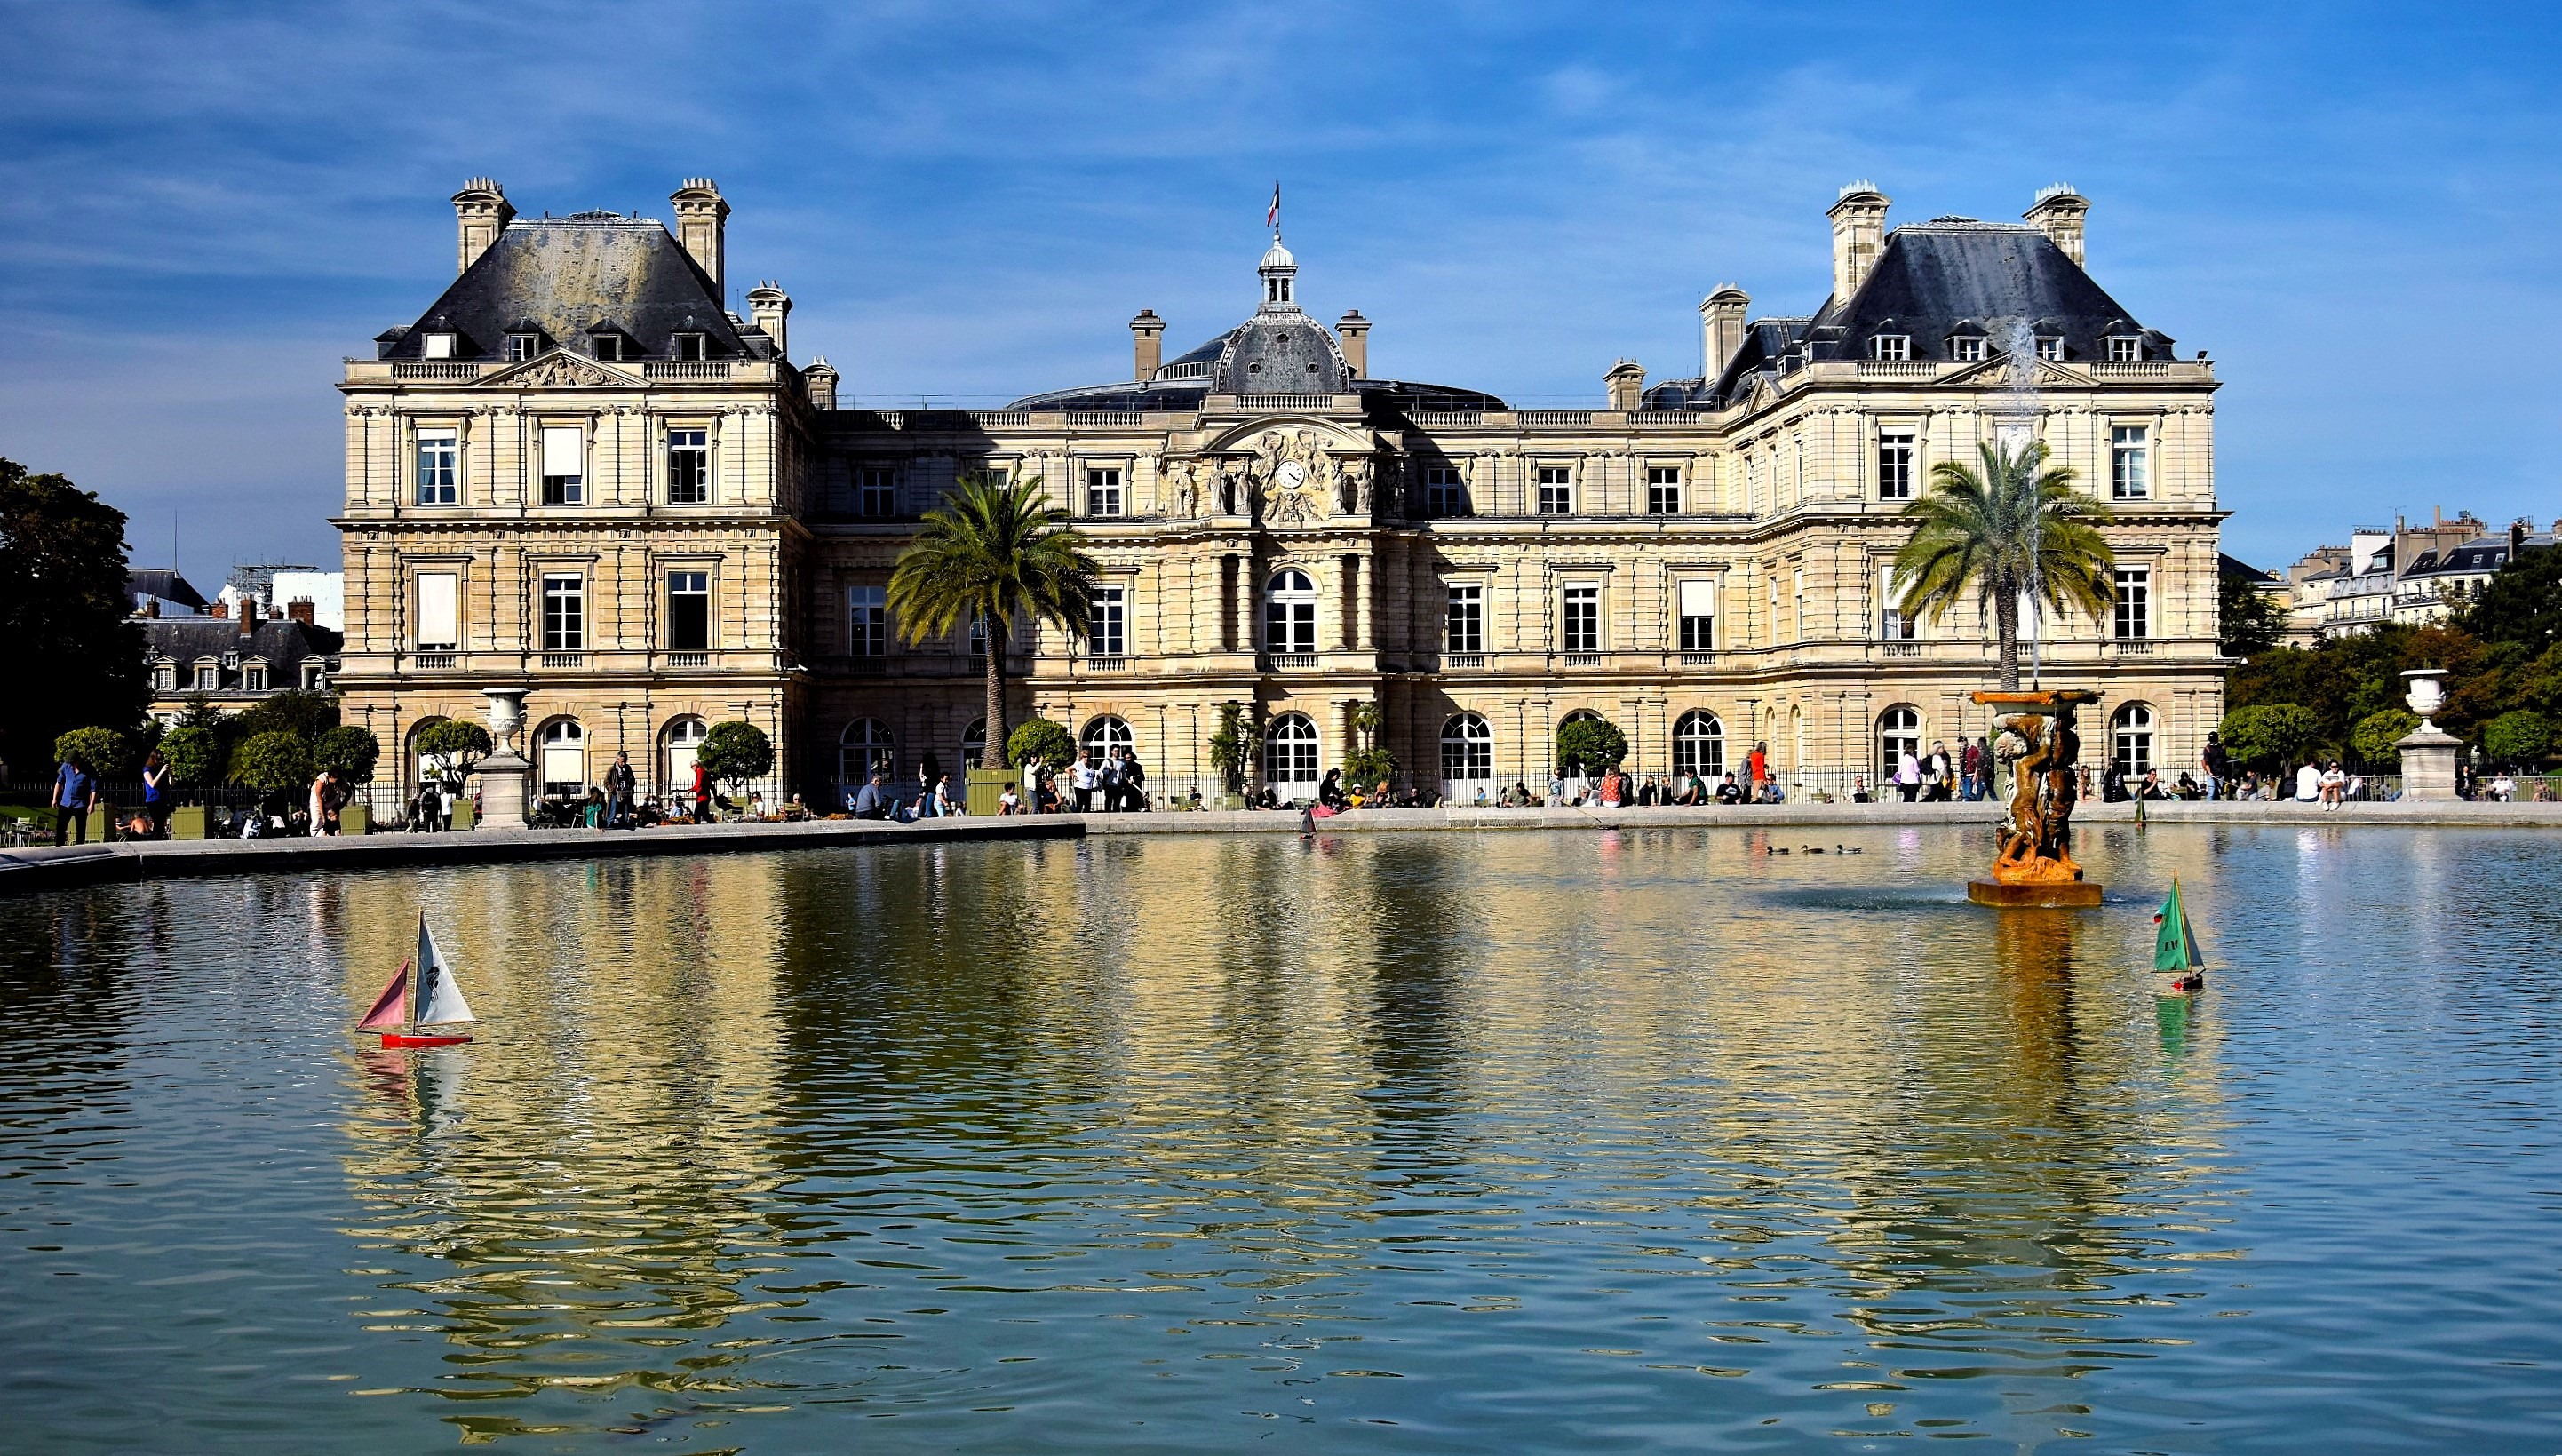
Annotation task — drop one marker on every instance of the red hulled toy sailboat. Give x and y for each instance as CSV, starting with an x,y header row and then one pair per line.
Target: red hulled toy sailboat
x,y
411,1003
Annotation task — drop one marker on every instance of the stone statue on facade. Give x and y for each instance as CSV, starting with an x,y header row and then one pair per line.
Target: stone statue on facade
x,y
1358,477
1182,492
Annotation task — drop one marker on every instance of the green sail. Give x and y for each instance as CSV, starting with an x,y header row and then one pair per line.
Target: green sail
x,y
2175,943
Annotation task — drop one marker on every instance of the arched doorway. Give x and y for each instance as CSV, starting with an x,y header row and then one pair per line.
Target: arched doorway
x,y
562,758
1699,746
1104,733
1290,757
1899,732
1467,755
677,745
974,742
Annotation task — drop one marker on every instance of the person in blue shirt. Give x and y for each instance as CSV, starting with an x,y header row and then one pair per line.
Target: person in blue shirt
x,y
872,800
75,793
155,792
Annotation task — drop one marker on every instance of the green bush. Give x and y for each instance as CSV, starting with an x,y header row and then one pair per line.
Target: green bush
x,y
274,762
735,752
1586,746
194,755
456,745
2522,736
2272,736
2377,733
1039,738
1233,748
1367,768
306,715
108,754
349,752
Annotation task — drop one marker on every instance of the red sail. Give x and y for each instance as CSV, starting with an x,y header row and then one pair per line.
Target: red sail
x,y
389,1005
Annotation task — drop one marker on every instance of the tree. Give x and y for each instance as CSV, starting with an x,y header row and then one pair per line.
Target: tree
x,y
306,715
2378,736
348,751
735,752
2521,736
454,746
63,612
1369,764
2272,736
2250,621
107,753
1234,747
193,755
1972,536
1586,746
1038,738
273,763
2521,603
995,553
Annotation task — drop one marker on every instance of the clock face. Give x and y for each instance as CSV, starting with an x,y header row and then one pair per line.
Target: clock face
x,y
1290,475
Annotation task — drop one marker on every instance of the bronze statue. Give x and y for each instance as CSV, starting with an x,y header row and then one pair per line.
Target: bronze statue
x,y
2035,865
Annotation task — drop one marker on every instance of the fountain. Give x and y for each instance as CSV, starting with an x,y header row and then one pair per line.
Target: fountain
x,y
2035,865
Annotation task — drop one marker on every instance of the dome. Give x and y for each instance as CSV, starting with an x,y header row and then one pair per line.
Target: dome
x,y
1278,256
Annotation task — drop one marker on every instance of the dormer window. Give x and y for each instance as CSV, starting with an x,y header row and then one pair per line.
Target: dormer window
x,y
689,345
1894,347
1966,349
523,346
2050,346
2125,348
606,343
440,347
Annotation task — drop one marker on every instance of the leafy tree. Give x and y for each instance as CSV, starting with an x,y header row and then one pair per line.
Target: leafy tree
x,y
63,614
2271,736
1586,746
996,553
1036,738
108,754
2521,736
2374,743
273,763
306,715
349,752
1973,533
1370,764
456,746
2251,621
1234,747
200,712
193,755
735,752
2522,602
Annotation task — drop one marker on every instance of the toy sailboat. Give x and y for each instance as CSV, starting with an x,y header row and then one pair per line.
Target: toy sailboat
x,y
2175,951
413,1003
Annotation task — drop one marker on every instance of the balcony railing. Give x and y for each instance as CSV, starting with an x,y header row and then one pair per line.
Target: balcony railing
x,y
1555,417
445,370
1104,418
1426,419
1699,659
1288,662
1463,659
1285,401
2130,369
867,667
1107,665
431,662
1900,649
995,419
1581,659
687,371
1666,417
1898,369
2132,646
564,659
689,659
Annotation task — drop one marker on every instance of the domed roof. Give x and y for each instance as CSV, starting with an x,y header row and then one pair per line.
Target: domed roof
x,y
1280,353
1278,256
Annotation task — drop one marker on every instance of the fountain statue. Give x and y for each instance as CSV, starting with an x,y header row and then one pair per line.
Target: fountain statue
x,y
2035,865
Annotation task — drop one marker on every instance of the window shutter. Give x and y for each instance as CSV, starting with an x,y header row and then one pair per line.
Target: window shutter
x,y
1699,598
561,450
437,619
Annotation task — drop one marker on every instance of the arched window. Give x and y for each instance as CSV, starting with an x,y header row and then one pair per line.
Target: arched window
x,y
2130,740
1289,612
1699,744
1104,733
1580,715
1899,732
1290,756
676,754
424,767
563,757
1467,751
974,742
865,750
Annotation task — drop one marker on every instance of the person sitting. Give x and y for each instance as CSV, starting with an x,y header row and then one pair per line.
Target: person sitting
x,y
872,800
1009,802
1729,793
2151,788
1859,790
1481,796
2187,787
1270,797
1330,792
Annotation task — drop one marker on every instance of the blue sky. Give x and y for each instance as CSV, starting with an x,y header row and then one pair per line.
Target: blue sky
x,y
207,205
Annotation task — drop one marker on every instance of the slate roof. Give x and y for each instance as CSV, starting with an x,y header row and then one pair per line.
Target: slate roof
x,y
568,275
2480,555
283,644
164,584
2230,567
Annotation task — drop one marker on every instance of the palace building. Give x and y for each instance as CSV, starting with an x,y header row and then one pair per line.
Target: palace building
x,y
577,473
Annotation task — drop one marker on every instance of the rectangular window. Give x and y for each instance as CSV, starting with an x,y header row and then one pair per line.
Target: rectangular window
x,y
688,346
564,458
1699,615
315,676
1895,465
1966,349
209,678
1797,600
440,466
2129,467
2124,348
689,611
164,678
1104,623
2050,346
1443,493
689,466
439,620
1103,491
1556,491
522,346
1891,346
1582,619
253,678
440,347
868,622
564,613
2135,603
875,491
1663,489
1467,618
1892,624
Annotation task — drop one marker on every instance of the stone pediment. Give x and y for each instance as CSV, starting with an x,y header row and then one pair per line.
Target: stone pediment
x,y
1995,373
560,369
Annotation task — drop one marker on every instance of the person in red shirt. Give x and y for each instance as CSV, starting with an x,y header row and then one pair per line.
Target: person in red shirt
x,y
1757,767
702,796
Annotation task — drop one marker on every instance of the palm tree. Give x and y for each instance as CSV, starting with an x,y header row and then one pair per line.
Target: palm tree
x,y
995,552
1983,529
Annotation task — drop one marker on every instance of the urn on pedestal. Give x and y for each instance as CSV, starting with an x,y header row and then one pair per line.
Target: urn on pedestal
x,y
505,775
2428,753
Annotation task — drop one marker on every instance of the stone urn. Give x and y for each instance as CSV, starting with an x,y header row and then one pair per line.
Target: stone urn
x,y
2428,753
506,777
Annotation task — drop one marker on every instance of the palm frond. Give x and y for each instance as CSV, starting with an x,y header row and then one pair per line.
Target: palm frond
x,y
994,551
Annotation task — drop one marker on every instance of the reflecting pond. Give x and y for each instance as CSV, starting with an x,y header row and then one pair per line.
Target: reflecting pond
x,y
1436,1141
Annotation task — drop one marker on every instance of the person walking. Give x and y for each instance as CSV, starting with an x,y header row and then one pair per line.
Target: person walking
x,y
1133,782
1107,781
1970,766
155,792
2213,760
1907,775
1081,779
702,795
324,819
620,785
75,793
1757,768
1934,773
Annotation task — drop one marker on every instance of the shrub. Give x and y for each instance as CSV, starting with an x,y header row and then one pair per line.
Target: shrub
x,y
2377,733
1039,738
456,745
1232,749
2272,736
274,762
1586,746
1367,768
735,752
2522,736
349,752
306,715
193,755
108,754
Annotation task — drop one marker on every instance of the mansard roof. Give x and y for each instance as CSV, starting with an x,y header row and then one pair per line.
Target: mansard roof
x,y
282,642
565,275
165,584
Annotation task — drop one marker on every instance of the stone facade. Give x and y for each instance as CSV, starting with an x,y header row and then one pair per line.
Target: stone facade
x,y
1703,561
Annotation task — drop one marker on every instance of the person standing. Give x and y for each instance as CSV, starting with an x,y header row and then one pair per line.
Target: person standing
x,y
1934,773
1972,766
1757,768
1907,775
1133,782
324,819
1081,779
620,785
155,792
74,792
702,795
2213,760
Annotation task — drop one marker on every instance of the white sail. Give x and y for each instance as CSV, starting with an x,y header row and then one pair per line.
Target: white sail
x,y
437,1000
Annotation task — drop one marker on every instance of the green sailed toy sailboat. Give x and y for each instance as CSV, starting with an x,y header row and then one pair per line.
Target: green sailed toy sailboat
x,y
2175,951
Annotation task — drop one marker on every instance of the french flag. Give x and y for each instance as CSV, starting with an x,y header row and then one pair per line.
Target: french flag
x,y
1272,218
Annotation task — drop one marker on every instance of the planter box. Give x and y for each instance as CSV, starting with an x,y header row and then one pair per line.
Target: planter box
x,y
102,825
985,786
188,822
461,815
356,818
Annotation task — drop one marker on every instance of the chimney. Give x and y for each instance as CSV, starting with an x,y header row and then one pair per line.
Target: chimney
x,y
2518,538
301,610
480,211
2058,213
1147,345
248,616
769,306
820,380
1354,332
218,608
701,223
151,605
1720,329
1859,235
1626,383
